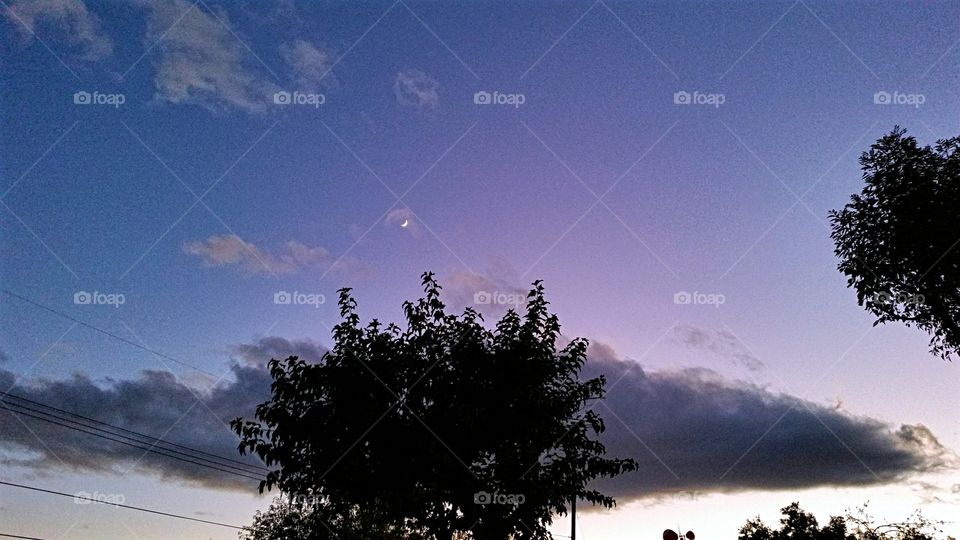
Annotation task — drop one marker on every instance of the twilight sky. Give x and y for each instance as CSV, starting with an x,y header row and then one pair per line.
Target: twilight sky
x,y
184,187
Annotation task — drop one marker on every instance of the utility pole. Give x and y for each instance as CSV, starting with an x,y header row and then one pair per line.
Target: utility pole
x,y
573,518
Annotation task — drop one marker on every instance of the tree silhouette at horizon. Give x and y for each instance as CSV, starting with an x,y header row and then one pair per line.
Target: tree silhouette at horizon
x,y
439,429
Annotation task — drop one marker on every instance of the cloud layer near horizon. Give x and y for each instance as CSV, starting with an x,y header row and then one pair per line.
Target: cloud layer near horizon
x,y
690,431
694,431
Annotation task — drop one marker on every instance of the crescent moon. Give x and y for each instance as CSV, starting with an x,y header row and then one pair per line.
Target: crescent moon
x,y
405,223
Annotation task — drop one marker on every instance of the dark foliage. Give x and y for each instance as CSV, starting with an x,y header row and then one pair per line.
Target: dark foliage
x,y
421,425
898,239
797,524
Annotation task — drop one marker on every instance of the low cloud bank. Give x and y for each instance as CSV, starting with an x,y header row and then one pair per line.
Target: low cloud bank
x,y
690,431
693,431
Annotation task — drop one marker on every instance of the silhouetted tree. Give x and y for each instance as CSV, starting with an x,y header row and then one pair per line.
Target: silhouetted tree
x,y
285,520
298,519
917,527
797,524
898,240
442,427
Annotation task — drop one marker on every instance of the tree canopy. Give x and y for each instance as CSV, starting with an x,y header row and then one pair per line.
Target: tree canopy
x,y
798,524
290,518
441,428
898,239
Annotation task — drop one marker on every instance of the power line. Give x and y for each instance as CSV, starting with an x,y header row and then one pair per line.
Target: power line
x,y
152,449
102,331
119,505
16,536
46,417
159,451
152,440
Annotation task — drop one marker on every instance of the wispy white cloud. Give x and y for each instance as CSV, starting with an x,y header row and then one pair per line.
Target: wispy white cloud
x,y
491,293
722,343
70,18
415,88
199,55
309,63
200,61
293,257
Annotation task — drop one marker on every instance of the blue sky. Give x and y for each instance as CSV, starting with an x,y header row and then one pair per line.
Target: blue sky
x,y
599,183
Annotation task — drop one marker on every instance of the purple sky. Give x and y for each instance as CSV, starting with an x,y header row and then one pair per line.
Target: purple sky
x,y
631,155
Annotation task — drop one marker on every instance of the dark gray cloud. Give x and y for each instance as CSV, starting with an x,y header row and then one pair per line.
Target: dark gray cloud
x,y
694,431
264,349
690,431
156,404
152,404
